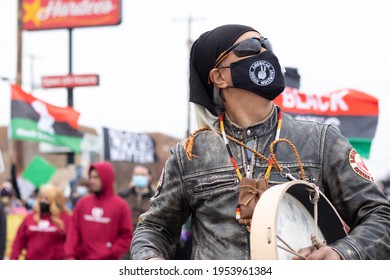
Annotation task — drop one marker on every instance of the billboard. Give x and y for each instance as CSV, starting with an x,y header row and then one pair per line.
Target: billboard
x,y
56,14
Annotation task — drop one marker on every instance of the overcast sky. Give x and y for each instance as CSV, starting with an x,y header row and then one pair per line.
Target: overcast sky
x,y
142,63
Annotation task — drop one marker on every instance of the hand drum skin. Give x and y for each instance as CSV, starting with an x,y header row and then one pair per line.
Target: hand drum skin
x,y
284,217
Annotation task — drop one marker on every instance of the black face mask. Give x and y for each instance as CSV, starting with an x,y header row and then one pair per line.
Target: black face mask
x,y
261,74
44,207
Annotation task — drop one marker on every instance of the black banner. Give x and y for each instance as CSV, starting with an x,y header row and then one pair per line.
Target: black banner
x,y
128,146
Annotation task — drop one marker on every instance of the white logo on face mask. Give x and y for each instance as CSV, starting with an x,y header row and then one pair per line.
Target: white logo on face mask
x,y
262,73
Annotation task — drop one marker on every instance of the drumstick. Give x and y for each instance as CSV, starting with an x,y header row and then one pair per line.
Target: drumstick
x,y
289,249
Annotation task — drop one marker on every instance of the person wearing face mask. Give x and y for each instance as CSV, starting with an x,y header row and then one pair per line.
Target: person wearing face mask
x,y
43,232
15,213
215,173
139,192
79,191
9,200
101,226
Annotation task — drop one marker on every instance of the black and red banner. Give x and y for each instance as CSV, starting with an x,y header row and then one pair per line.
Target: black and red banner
x,y
354,112
33,119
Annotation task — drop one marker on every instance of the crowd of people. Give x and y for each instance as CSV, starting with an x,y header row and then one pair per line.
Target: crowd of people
x,y
94,222
203,203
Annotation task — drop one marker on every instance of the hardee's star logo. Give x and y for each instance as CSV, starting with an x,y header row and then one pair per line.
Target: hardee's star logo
x,y
31,10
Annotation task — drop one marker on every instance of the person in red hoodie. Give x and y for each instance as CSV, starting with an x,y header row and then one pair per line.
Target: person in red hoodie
x,y
43,232
101,227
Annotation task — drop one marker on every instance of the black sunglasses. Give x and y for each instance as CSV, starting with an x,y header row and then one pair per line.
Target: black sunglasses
x,y
246,47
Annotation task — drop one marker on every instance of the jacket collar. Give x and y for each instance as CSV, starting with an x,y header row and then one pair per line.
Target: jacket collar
x,y
256,130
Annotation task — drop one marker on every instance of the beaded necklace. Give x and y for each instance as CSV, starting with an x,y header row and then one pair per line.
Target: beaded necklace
x,y
233,160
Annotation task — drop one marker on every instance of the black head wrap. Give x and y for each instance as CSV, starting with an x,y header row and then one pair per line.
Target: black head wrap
x,y
204,52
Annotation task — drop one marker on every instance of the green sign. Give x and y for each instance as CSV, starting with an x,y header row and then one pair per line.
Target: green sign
x,y
39,171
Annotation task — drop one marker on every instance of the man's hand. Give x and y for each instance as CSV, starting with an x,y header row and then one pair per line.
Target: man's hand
x,y
323,253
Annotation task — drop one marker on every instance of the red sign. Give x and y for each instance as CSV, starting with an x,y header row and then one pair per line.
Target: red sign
x,y
54,14
69,81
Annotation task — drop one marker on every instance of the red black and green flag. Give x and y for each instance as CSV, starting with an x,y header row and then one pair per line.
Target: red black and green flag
x,y
35,120
355,113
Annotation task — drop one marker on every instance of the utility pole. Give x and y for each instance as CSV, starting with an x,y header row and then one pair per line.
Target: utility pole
x,y
19,44
33,85
16,153
189,20
189,45
70,155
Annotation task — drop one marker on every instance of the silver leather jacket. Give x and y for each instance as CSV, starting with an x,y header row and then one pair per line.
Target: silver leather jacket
x,y
206,187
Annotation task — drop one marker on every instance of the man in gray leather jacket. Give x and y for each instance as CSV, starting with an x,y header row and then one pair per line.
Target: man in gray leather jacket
x,y
234,76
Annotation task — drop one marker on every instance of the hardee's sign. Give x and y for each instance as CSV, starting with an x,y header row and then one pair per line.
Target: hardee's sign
x,y
54,14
